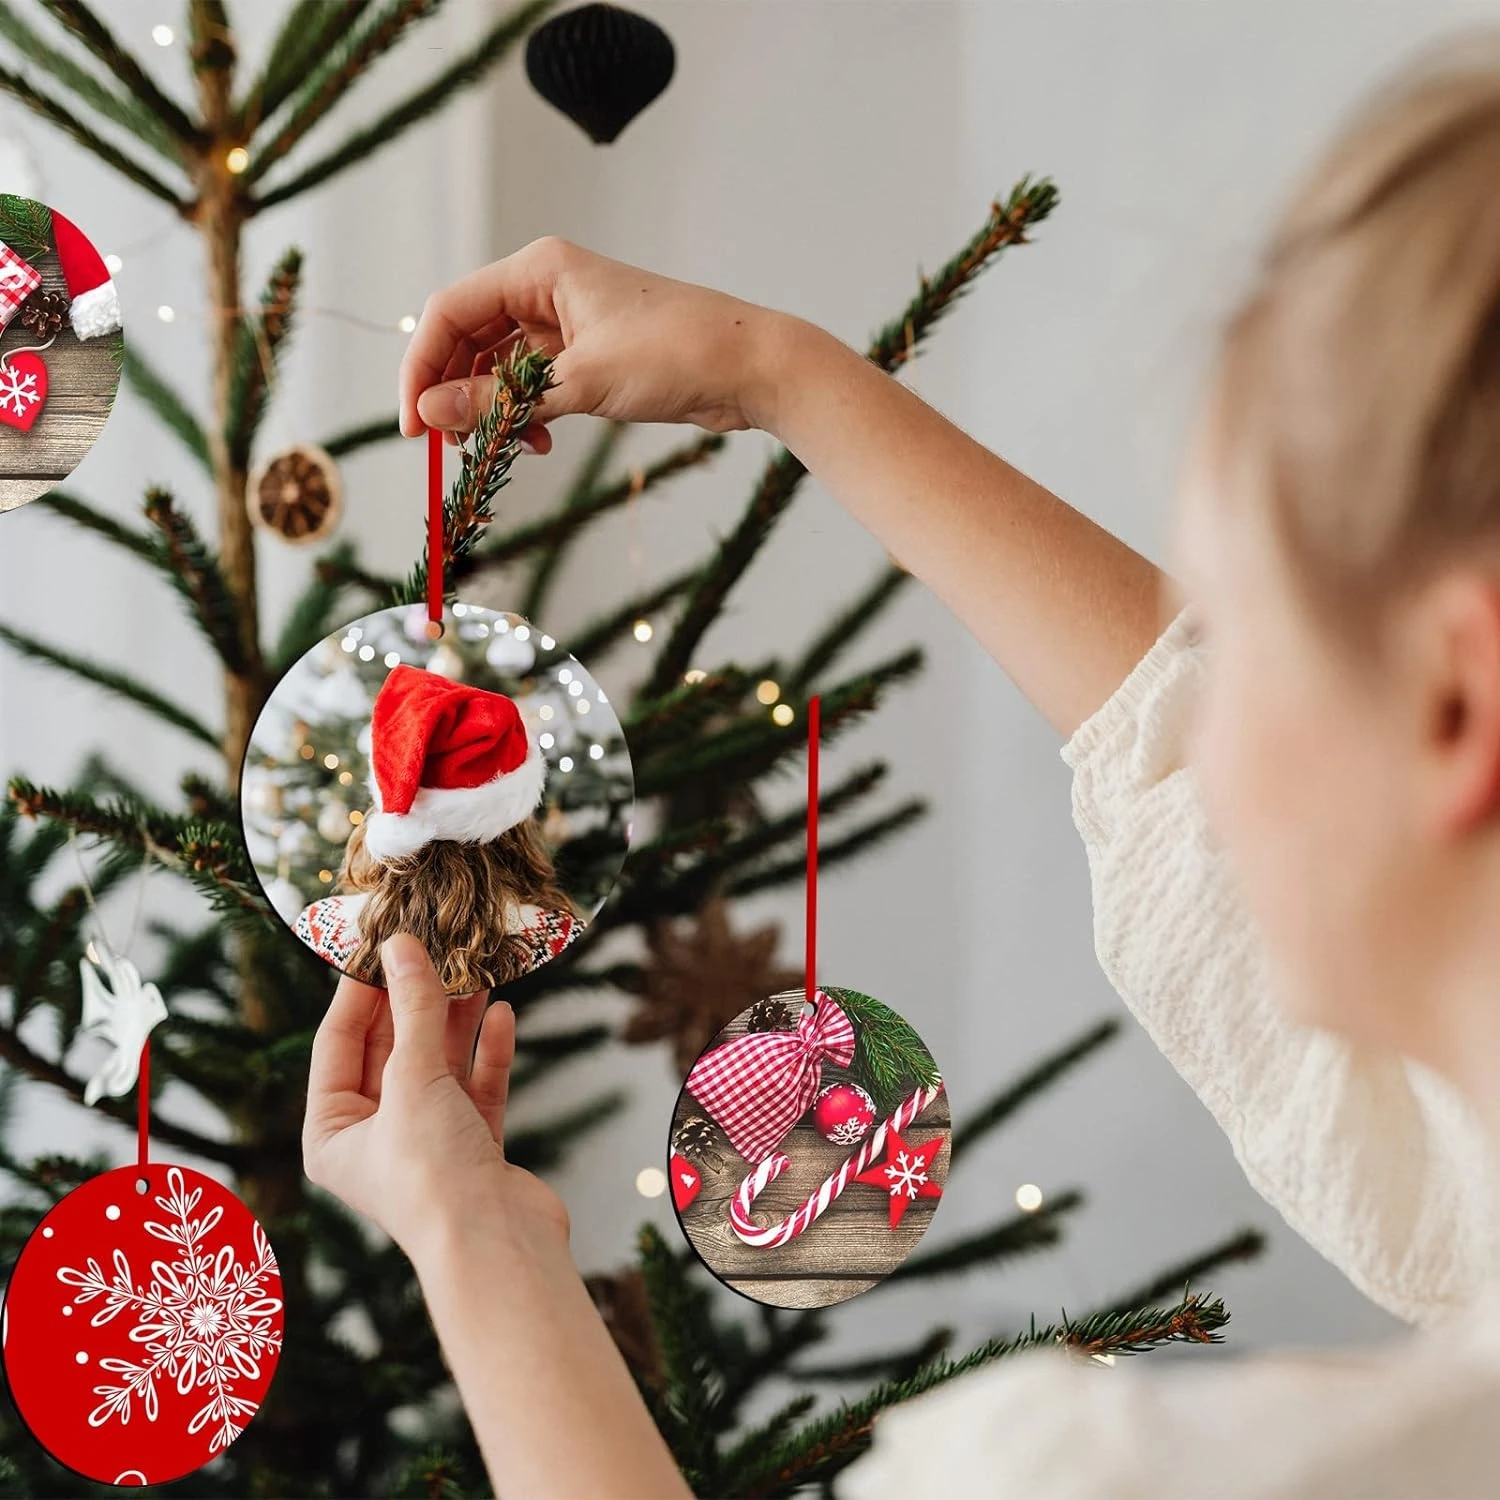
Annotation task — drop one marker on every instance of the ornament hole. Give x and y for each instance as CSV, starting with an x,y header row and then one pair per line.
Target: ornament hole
x,y
142,1184
434,630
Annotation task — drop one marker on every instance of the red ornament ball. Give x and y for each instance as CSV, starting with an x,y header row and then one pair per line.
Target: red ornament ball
x,y
843,1113
142,1326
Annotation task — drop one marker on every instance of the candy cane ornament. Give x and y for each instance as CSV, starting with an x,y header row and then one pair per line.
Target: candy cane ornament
x,y
770,1236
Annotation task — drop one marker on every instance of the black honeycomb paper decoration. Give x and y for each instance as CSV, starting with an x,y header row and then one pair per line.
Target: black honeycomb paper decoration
x,y
601,65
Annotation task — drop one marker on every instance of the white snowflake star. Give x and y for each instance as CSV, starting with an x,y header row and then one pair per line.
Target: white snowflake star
x,y
906,1174
205,1319
17,391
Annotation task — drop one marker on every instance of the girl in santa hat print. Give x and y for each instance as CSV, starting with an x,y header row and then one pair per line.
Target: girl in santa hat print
x,y
451,851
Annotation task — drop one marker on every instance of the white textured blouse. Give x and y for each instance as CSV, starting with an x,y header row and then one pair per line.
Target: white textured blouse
x,y
1374,1160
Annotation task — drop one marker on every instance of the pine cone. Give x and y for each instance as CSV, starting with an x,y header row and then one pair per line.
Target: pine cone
x,y
695,1139
771,1015
43,314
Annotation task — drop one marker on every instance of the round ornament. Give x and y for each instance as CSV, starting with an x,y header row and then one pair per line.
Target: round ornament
x,y
297,493
142,1325
487,808
843,1113
601,65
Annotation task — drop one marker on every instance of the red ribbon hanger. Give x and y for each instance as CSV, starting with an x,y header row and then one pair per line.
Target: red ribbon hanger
x,y
434,532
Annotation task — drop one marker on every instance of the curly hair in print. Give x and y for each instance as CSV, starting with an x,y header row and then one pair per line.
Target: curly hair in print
x,y
460,899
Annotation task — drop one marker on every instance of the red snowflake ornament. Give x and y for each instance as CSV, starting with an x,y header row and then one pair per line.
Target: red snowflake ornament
x,y
23,389
903,1174
686,1183
142,1327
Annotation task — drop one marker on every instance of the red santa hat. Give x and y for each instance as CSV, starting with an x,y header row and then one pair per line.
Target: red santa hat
x,y
448,761
94,304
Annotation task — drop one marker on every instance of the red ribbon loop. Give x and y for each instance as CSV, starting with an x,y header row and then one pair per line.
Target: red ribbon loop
x,y
758,1086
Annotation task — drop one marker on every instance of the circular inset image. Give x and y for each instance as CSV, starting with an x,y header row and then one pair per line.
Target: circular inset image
x,y
809,1148
61,349
473,790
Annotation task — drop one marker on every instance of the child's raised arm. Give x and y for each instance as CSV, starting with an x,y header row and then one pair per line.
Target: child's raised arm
x,y
1064,607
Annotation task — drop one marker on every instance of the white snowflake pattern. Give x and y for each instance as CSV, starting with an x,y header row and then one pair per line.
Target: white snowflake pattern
x,y
849,1132
906,1174
17,391
204,1319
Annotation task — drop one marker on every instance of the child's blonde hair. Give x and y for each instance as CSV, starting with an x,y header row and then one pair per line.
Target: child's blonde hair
x,y
1360,382
461,900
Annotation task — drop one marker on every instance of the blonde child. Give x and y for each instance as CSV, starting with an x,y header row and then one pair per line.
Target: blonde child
x,y
1323,966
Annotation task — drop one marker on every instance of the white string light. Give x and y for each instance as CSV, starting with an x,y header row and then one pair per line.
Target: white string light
x,y
642,631
163,36
1028,1197
783,714
767,692
165,313
651,1182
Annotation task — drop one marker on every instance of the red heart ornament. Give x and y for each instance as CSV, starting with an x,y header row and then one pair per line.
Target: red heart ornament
x,y
23,389
685,1181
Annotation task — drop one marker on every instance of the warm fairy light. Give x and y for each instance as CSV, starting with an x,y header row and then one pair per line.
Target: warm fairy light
x,y
355,815
565,674
393,658
582,705
308,752
783,714
575,689
544,712
346,778
651,1182
1028,1197
566,763
163,36
367,653
331,761
112,264
237,159
165,313
596,752
460,610
546,740
642,631
768,692
326,876
408,324
694,674
523,632
548,643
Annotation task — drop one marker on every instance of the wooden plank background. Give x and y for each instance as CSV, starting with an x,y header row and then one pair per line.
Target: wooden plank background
x,y
847,1251
82,379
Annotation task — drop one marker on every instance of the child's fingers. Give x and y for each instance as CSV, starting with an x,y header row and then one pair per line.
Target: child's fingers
x,y
338,1049
465,1012
489,1083
419,1007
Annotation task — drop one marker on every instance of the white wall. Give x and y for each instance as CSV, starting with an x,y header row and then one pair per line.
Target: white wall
x,y
813,156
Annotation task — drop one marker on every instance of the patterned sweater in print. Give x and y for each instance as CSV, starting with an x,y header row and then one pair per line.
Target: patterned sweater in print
x,y
330,927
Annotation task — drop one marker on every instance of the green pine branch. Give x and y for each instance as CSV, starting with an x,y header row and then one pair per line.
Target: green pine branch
x,y
351,439
469,69
897,1364
1243,1245
593,641
1028,204
829,1444
25,224
121,684
59,115
310,29
1018,1234
195,573
890,1059
523,376
125,110
139,84
81,513
257,346
564,524
583,484
1036,1079
834,853
678,715
843,629
342,66
172,410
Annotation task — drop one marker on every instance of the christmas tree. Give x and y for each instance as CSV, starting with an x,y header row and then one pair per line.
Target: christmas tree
x,y
372,1413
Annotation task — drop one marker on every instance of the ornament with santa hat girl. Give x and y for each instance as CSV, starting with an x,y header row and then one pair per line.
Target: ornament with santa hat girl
x,y
450,851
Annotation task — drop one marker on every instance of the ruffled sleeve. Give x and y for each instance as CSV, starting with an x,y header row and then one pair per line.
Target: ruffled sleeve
x,y
1373,1159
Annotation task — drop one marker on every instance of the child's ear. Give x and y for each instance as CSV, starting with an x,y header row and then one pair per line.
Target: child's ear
x,y
1462,648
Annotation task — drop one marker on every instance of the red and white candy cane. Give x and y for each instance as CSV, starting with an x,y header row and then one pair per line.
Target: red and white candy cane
x,y
773,1166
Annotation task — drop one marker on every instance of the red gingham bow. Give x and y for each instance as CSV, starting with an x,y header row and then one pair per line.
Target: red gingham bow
x,y
758,1086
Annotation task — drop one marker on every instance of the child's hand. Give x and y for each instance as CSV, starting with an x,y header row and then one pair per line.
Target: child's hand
x,y
626,344
405,1115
